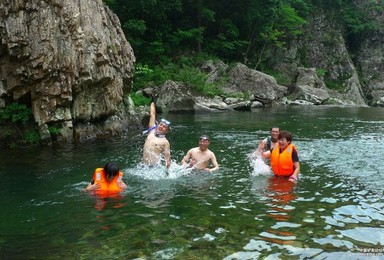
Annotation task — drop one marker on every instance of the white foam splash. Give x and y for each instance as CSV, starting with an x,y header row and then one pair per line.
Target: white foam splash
x,y
159,171
258,164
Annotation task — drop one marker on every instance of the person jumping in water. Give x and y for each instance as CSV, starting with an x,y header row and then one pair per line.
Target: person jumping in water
x,y
156,145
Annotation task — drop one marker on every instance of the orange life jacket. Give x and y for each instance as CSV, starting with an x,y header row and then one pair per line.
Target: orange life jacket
x,y
281,163
108,188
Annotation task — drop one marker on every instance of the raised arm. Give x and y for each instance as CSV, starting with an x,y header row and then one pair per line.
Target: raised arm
x,y
152,115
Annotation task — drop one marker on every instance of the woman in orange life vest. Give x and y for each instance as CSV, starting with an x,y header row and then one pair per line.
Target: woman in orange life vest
x,y
107,181
284,157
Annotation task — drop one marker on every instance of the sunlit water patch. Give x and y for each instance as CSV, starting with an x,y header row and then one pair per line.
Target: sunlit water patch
x,y
350,159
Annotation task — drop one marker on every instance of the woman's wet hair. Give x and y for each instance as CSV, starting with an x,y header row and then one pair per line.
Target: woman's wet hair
x,y
285,134
111,170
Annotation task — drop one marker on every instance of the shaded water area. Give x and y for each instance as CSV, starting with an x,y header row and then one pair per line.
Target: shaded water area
x,y
335,211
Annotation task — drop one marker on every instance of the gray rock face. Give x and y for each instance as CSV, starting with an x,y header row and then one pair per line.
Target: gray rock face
x,y
322,46
69,60
215,70
175,97
204,104
255,83
370,60
327,50
309,87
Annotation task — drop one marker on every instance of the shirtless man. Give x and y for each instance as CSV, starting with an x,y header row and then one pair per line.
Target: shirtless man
x,y
271,141
201,157
156,145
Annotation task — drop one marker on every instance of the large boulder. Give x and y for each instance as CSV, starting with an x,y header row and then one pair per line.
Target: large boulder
x,y
204,104
261,86
68,60
309,87
175,97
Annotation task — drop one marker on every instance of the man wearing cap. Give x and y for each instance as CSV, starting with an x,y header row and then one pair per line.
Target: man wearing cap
x,y
156,145
201,157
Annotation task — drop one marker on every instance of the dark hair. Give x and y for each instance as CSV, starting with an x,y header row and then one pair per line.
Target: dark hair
x,y
111,170
270,130
285,134
204,137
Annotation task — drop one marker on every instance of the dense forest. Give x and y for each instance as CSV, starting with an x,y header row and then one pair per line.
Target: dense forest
x,y
171,40
167,35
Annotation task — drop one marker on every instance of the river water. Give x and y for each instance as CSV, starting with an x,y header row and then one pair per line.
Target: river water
x,y
336,210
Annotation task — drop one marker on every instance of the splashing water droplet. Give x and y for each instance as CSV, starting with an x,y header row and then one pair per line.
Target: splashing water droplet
x,y
259,165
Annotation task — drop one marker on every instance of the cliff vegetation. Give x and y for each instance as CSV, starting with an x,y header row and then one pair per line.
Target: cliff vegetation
x,y
75,70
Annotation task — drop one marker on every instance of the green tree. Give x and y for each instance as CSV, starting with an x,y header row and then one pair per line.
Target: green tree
x,y
163,33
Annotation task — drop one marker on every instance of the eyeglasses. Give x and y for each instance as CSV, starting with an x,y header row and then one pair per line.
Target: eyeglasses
x,y
166,122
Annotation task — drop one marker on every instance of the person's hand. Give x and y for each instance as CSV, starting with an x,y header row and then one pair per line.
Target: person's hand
x,y
94,186
154,98
122,185
192,163
293,178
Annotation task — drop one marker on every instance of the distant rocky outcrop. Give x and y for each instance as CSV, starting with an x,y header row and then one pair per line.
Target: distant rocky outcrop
x,y
250,89
309,87
370,58
317,69
177,97
67,60
322,46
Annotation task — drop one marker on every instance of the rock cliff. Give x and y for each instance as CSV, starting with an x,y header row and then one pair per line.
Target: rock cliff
x,y
69,61
370,58
323,48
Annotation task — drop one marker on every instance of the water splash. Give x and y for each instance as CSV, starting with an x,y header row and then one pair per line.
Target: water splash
x,y
159,171
260,168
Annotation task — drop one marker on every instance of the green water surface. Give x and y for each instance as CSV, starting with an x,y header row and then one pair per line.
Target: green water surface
x,y
335,210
